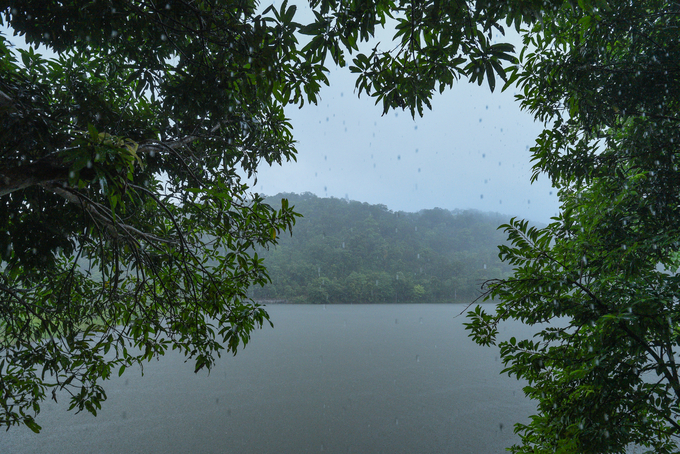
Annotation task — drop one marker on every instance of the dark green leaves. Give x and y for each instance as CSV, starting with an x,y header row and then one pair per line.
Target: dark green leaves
x,y
598,283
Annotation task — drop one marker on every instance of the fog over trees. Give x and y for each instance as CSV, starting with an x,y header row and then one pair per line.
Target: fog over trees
x,y
350,252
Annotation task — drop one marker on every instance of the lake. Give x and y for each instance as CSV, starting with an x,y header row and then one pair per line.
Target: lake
x,y
334,379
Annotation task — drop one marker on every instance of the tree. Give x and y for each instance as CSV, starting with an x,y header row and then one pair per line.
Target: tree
x,y
126,228
600,281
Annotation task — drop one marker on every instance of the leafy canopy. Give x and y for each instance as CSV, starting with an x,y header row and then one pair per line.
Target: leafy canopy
x,y
126,229
600,281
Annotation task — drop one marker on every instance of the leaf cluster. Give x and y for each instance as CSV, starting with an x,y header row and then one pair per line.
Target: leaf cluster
x,y
599,282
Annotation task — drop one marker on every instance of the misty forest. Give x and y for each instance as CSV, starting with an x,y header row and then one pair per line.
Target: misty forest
x,y
350,252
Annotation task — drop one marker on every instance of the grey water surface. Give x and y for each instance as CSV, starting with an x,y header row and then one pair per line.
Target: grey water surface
x,y
334,379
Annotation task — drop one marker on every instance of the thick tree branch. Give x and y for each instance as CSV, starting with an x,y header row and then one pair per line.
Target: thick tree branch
x,y
45,170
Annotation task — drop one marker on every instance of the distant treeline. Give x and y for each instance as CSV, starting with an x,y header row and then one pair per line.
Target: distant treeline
x,y
351,252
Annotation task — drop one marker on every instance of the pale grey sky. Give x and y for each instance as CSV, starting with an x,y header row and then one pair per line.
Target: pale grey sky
x,y
470,151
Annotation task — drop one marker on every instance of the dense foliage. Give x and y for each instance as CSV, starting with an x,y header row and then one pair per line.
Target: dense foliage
x,y
125,227
604,370
351,252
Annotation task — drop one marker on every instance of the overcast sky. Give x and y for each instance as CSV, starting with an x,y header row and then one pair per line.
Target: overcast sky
x,y
470,151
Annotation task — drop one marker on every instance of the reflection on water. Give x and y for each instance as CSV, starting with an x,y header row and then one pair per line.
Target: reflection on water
x,y
338,379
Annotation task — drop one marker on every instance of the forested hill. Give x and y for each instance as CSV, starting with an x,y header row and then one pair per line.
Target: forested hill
x,y
351,252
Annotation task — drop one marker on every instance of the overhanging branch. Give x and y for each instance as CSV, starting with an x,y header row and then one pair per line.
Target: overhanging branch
x,y
50,169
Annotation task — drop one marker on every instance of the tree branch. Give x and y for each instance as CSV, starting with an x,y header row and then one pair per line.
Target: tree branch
x,y
49,169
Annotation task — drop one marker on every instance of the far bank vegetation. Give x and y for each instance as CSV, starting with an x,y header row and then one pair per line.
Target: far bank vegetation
x,y
355,253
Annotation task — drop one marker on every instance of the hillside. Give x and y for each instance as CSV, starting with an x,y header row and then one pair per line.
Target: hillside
x,y
352,252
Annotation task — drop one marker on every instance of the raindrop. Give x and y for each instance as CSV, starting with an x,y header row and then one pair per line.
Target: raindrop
x,y
415,127
418,169
114,33
398,157
483,155
342,94
417,358
416,150
163,37
327,119
481,196
480,120
487,107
